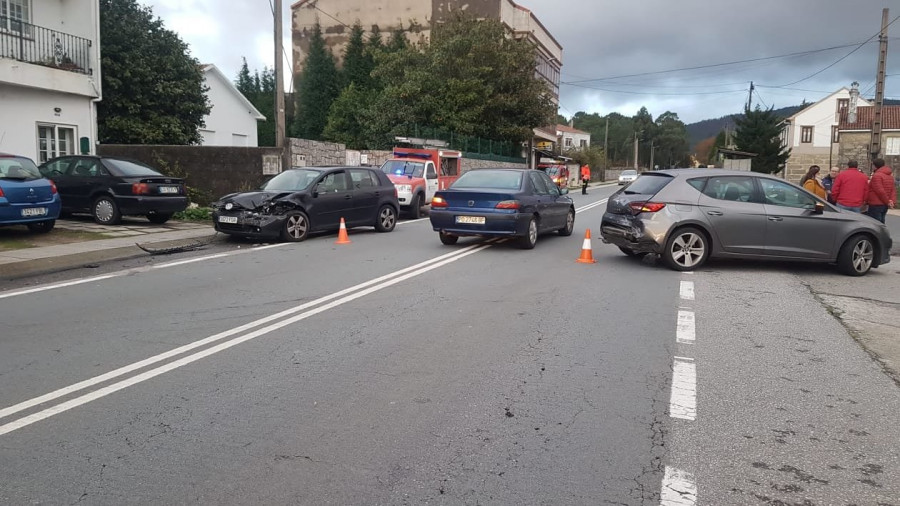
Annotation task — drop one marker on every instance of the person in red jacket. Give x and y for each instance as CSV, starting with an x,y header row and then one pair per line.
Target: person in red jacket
x,y
882,191
850,188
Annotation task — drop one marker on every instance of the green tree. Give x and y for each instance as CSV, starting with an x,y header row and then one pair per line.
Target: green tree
x,y
344,123
317,88
259,89
671,141
759,131
358,64
246,84
153,91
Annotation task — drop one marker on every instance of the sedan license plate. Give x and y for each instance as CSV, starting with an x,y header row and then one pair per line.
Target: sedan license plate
x,y
168,189
228,219
34,211
474,220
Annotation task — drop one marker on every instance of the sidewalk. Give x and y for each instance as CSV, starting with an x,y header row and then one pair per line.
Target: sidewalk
x,y
121,245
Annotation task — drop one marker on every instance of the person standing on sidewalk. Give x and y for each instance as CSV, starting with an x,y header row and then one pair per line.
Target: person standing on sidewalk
x,y
811,183
585,178
882,191
828,181
850,188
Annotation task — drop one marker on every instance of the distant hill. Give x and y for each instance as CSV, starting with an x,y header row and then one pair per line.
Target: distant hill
x,y
711,127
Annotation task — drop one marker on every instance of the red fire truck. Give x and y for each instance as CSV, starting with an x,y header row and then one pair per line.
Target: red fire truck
x,y
418,173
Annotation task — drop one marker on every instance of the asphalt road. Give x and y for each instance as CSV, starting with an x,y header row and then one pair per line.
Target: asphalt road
x,y
396,370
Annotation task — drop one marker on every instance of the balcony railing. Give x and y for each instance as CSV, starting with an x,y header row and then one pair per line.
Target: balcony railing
x,y
42,46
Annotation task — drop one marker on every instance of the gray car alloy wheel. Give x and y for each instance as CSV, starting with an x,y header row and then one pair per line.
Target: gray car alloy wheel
x,y
530,239
387,219
296,227
688,249
862,256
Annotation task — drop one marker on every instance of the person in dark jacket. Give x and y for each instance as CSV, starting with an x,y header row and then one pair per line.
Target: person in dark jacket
x,y
850,188
828,181
882,191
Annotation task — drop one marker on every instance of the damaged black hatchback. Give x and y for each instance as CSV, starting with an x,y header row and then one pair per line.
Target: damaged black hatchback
x,y
310,199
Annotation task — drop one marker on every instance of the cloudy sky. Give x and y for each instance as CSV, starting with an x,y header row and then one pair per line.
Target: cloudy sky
x,y
617,55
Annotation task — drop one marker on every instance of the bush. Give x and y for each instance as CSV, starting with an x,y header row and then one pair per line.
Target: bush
x,y
194,214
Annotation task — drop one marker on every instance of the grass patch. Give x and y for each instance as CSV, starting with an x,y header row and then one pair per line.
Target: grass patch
x,y
194,214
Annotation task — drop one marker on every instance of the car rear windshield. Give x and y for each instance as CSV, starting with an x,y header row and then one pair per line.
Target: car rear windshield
x,y
15,167
292,180
403,168
127,168
494,179
648,184
629,172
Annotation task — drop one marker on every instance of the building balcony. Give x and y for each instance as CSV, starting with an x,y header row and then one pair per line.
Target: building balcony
x,y
37,45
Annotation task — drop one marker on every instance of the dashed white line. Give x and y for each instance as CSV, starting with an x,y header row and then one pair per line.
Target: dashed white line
x,y
686,331
678,488
687,290
683,402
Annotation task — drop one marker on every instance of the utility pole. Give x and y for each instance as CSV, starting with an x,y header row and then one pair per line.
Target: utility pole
x,y
280,130
635,150
875,147
605,150
652,149
750,98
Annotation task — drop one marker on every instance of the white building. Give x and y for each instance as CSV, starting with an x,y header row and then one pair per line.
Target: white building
x,y
570,138
49,77
232,120
812,134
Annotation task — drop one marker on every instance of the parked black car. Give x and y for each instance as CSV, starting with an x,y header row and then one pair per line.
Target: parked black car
x,y
110,188
310,199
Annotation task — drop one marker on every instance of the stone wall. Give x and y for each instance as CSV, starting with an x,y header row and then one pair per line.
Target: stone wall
x,y
799,163
855,146
307,153
210,171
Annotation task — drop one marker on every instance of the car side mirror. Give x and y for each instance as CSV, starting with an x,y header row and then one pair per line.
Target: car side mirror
x,y
819,208
563,191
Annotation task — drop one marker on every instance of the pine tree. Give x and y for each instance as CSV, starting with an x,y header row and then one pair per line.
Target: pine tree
x,y
317,88
245,83
759,131
357,64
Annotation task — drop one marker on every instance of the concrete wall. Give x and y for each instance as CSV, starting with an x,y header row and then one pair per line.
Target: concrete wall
x,y
213,171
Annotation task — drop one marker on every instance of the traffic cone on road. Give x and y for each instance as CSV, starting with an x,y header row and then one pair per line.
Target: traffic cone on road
x,y
343,238
587,256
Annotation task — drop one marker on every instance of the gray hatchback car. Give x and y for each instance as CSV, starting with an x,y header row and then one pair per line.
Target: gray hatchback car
x,y
689,215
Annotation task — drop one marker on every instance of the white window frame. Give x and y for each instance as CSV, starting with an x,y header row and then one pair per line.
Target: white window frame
x,y
892,146
804,139
6,10
54,146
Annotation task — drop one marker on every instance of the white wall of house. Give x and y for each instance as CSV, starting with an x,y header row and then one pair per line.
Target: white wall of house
x,y
573,140
32,94
821,116
233,119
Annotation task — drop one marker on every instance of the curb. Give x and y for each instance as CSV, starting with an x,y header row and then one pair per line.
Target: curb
x,y
25,268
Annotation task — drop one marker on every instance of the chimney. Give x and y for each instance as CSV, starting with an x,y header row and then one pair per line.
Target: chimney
x,y
572,122
854,99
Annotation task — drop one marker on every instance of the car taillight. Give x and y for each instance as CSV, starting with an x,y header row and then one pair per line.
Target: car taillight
x,y
507,204
140,189
53,189
646,207
1,192
438,202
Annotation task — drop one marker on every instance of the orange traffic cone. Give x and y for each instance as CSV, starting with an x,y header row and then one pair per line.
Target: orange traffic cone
x,y
587,257
343,238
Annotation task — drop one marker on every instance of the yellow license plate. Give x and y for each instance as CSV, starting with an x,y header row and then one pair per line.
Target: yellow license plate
x,y
474,220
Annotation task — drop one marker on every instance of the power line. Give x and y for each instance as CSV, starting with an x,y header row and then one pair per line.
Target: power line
x,y
652,93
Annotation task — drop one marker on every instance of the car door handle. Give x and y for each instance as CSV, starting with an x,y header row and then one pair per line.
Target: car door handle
x,y
715,213
348,197
775,218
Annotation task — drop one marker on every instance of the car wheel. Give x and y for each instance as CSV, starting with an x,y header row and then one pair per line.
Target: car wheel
x,y
105,211
448,239
42,227
295,227
415,209
632,253
387,219
856,256
686,250
570,224
159,218
530,238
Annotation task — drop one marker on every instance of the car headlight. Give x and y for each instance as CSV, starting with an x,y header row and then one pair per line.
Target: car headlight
x,y
403,188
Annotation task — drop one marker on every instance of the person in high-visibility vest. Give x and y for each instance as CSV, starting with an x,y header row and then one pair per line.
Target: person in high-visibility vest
x,y
585,177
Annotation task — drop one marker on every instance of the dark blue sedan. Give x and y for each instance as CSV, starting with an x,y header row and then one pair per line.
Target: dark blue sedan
x,y
518,203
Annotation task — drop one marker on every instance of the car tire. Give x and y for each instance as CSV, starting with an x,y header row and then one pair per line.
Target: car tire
x,y
570,224
530,238
632,253
448,239
159,218
687,249
295,227
105,211
415,209
386,219
42,227
857,255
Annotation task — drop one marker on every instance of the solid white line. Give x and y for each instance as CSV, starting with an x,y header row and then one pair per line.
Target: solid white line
x,y
687,290
678,488
107,390
26,291
683,401
686,330
216,337
190,260
412,221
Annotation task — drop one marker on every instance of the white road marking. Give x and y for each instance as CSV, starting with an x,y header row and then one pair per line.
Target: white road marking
x,y
683,402
360,290
678,488
687,290
412,221
686,332
591,206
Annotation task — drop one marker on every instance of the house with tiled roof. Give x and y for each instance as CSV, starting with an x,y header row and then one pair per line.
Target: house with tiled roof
x,y
572,138
855,137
